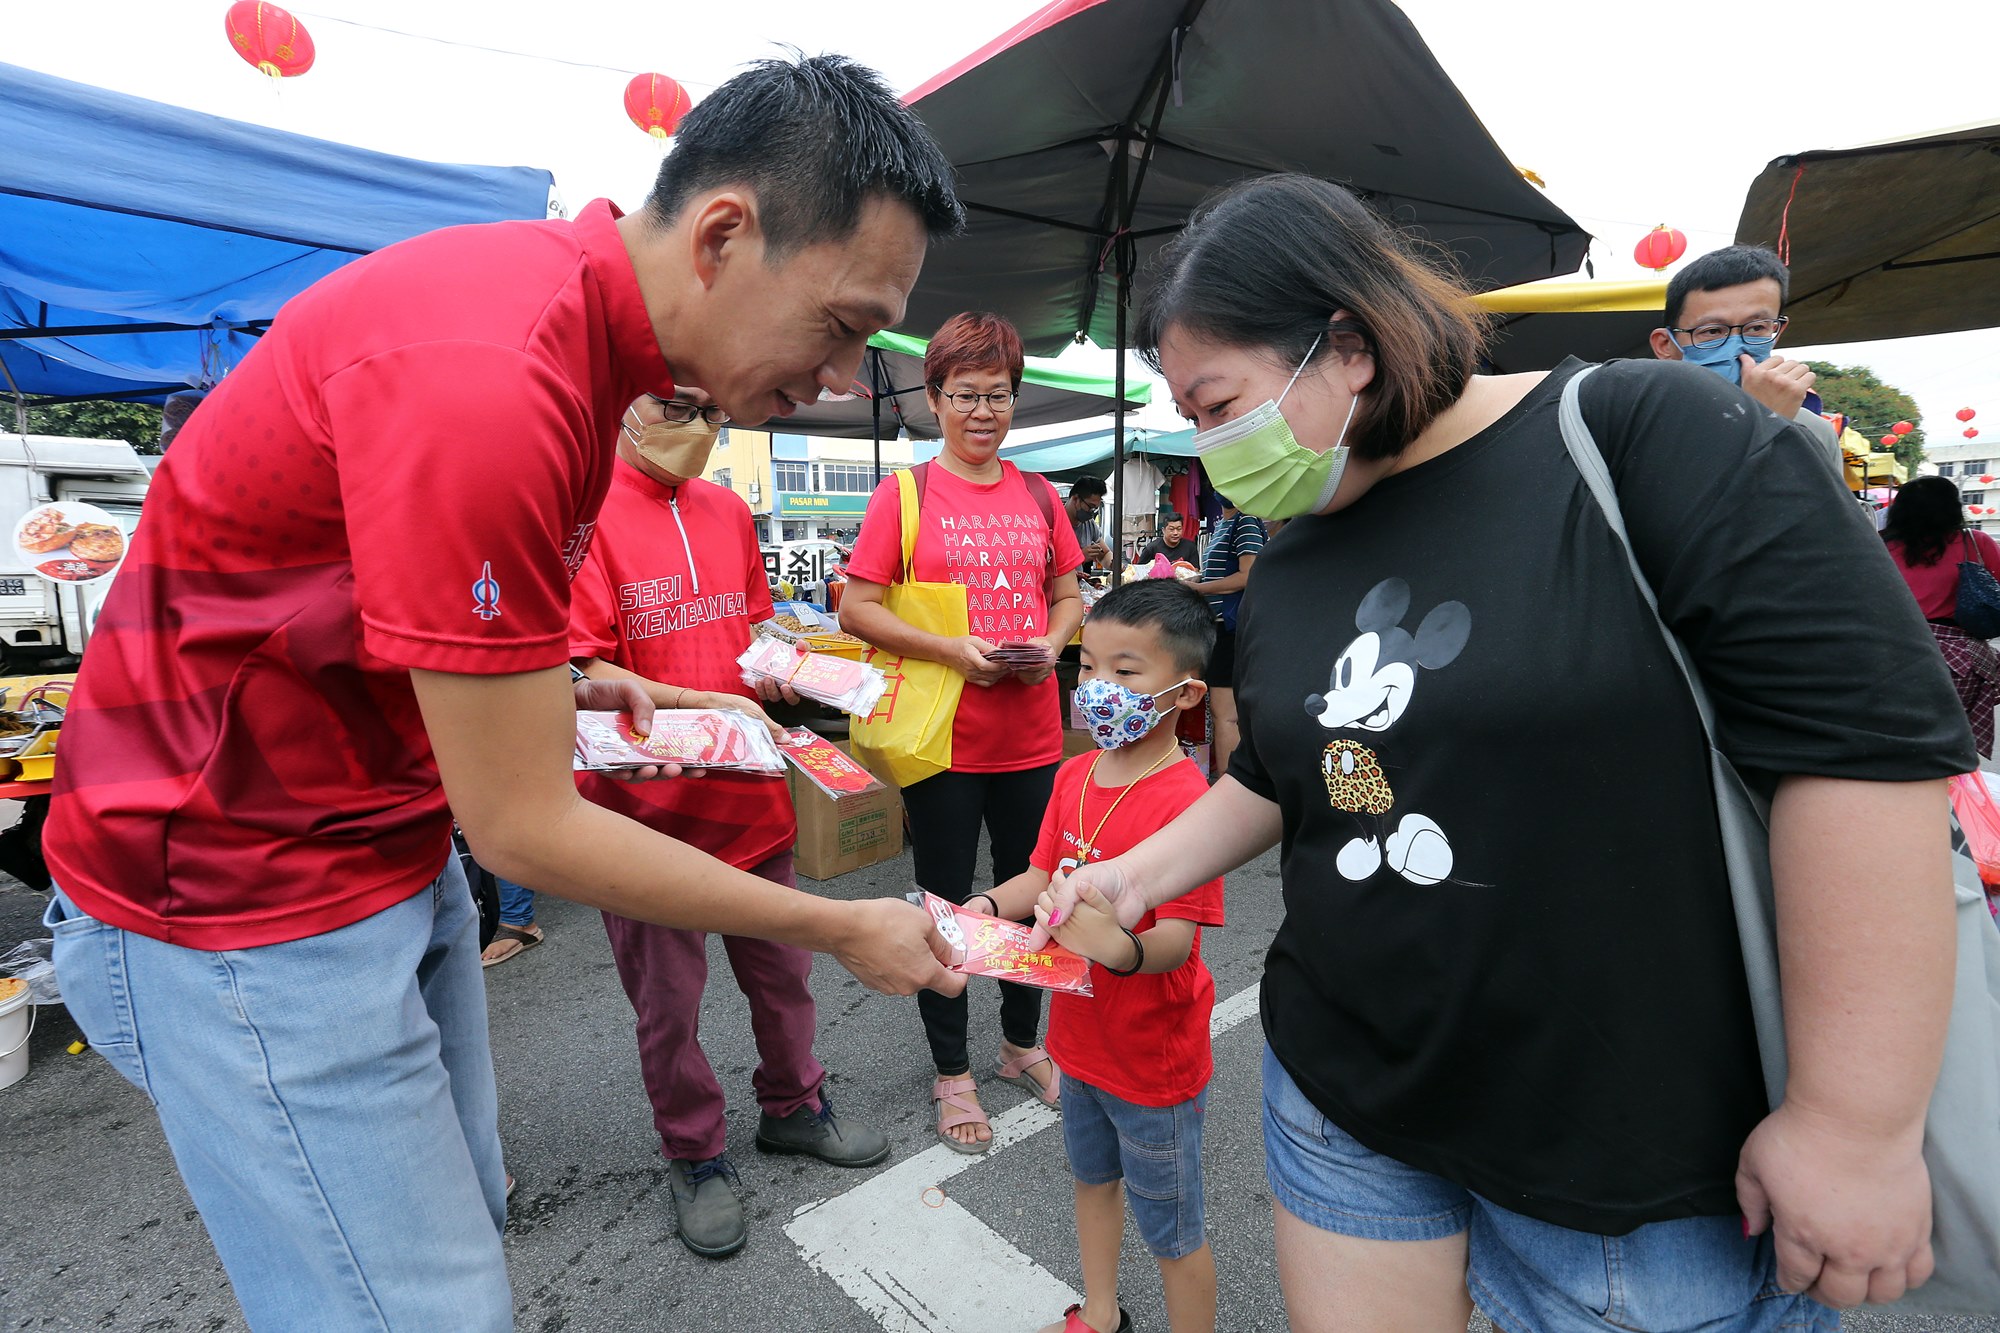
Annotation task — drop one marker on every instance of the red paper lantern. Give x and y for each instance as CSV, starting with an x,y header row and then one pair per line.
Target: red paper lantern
x,y
1966,414
1889,441
1902,428
269,38
1659,247
1972,432
1986,480
656,104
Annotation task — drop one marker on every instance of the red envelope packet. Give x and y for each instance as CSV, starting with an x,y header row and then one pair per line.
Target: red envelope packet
x,y
825,765
692,737
996,948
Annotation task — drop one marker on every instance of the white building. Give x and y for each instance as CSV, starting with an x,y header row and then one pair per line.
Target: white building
x,y
1974,467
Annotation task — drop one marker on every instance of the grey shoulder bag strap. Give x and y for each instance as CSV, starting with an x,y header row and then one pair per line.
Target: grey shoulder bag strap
x,y
1962,1129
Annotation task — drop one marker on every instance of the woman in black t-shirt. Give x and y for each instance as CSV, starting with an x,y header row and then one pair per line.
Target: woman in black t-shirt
x,y
1510,1045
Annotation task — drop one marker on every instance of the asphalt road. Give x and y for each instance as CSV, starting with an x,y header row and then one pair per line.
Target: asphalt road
x,y
96,1231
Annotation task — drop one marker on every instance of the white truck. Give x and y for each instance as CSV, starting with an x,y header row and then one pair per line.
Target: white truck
x,y
43,625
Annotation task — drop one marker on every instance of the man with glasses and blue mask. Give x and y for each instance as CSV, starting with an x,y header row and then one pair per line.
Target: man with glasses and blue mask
x,y
1723,314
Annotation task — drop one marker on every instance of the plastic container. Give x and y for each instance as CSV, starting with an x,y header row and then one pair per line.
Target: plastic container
x,y
17,1022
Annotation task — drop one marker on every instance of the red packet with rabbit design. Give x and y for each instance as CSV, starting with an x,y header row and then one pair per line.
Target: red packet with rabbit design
x,y
996,948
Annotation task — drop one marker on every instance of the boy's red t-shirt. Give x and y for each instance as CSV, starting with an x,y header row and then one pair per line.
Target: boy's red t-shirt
x,y
991,540
1143,1038
672,586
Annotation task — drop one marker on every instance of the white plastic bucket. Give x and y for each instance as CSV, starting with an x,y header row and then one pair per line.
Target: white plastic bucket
x,y
17,1021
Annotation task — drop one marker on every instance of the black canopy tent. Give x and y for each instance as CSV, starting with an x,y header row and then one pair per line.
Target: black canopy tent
x,y
1887,240
1085,137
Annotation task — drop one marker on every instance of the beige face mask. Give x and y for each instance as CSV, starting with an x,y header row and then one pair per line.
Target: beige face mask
x,y
679,447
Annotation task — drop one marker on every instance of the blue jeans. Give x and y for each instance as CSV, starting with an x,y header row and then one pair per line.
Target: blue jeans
x,y
1155,1150
1695,1273
517,905
329,1102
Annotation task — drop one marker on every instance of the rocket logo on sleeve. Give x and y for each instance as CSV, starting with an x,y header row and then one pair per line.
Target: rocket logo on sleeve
x,y
486,593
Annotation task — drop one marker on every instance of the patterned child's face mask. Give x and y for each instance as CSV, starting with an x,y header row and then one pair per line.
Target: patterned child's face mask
x,y
1119,716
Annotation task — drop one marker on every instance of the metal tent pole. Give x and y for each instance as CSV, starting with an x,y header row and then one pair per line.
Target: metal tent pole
x,y
875,387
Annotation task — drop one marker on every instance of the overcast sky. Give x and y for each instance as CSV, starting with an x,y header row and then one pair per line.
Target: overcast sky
x,y
1593,95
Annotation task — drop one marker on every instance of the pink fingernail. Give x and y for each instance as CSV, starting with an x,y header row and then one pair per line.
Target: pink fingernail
x,y
1746,1228
1055,918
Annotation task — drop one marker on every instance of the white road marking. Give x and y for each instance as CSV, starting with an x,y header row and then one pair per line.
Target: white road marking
x,y
918,1262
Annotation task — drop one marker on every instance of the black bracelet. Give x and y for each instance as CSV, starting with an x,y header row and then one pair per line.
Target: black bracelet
x,y
576,676
992,904
1138,958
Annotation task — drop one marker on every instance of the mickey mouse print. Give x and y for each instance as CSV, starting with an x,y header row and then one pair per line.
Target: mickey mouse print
x,y
1373,682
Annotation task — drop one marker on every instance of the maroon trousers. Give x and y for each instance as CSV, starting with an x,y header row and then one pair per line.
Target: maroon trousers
x,y
665,971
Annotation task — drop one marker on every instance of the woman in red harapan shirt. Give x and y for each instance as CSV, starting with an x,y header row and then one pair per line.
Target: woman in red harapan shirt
x,y
984,526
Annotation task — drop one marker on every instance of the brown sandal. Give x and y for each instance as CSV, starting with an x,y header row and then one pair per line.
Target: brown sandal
x,y
520,938
955,1109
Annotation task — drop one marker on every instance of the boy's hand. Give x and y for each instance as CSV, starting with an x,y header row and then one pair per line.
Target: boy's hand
x,y
1090,928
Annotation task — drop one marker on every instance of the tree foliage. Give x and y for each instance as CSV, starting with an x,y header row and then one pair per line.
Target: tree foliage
x,y
138,424
1871,406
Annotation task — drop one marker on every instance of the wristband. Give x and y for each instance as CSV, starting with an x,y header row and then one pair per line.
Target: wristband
x,y
576,676
1138,956
992,907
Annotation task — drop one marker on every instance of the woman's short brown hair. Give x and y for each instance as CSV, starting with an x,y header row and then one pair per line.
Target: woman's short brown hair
x,y
1265,265
973,341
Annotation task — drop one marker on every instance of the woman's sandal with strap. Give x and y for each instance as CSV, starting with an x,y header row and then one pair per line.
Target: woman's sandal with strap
x,y
955,1108
1015,1071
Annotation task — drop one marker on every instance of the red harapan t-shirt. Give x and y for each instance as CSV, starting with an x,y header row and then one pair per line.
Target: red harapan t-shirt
x,y
991,540
1143,1037
404,473
673,584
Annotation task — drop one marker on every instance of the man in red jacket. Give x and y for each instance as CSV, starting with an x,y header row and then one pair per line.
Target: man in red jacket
x,y
345,620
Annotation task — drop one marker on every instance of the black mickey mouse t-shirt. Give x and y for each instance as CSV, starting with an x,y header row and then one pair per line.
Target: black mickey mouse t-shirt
x,y
1508,955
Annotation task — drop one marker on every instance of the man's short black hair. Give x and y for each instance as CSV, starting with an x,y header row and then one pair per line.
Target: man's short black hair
x,y
1085,487
1177,613
813,137
1731,266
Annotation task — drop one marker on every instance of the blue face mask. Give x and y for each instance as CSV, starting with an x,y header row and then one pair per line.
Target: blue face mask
x,y
1721,358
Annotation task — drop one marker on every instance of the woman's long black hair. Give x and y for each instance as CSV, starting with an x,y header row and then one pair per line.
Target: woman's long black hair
x,y
1926,518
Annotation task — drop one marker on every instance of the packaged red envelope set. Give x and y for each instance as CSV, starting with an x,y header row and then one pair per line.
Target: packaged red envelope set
x,y
826,765
837,682
996,948
690,737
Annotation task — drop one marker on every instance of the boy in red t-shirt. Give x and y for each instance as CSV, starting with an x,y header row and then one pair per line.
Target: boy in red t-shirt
x,y
1134,1054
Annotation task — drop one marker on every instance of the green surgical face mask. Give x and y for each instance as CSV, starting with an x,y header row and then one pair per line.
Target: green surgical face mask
x,y
1255,461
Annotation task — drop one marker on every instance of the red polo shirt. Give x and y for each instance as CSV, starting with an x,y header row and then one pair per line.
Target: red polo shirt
x,y
673,584
404,473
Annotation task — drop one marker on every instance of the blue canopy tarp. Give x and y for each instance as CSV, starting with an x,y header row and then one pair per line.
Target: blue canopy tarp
x,y
154,243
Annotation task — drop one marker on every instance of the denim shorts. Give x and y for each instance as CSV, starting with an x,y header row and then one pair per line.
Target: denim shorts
x,y
1529,1276
1155,1150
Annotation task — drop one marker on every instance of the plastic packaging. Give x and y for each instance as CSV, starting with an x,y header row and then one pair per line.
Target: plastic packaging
x,y
839,682
30,961
691,737
1975,800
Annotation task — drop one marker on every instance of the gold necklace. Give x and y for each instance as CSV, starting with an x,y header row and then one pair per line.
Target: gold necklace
x,y
1083,854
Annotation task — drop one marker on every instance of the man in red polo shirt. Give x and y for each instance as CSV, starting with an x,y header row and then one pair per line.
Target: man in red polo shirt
x,y
348,609
666,600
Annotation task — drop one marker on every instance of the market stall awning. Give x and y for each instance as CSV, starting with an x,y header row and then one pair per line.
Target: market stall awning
x,y
1886,240
1089,452
892,375
1085,136
144,246
1537,324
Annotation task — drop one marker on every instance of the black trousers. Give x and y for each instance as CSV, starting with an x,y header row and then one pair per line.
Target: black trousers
x,y
945,814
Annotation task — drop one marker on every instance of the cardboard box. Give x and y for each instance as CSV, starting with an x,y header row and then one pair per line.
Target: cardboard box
x,y
838,836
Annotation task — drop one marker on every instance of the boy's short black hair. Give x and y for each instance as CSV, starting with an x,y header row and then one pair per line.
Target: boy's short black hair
x,y
813,137
1177,613
1731,266
1085,487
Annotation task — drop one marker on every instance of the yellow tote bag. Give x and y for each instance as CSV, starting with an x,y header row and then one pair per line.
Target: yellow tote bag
x,y
908,736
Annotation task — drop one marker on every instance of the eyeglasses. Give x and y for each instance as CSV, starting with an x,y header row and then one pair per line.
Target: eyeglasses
x,y
1000,400
677,413
1758,332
